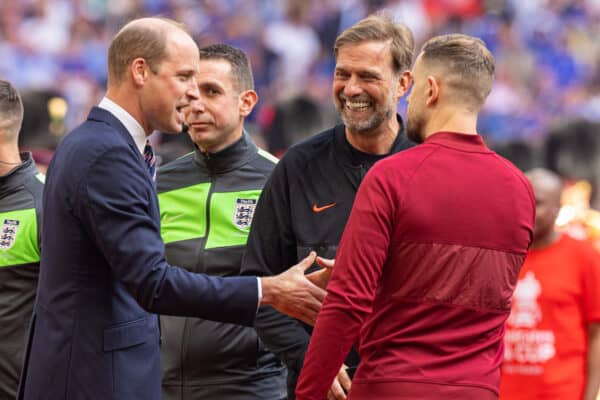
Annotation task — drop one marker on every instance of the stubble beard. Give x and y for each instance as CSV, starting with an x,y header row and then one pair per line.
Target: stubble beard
x,y
367,125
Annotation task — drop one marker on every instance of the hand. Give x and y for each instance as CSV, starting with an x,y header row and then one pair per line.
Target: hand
x,y
340,386
321,277
292,293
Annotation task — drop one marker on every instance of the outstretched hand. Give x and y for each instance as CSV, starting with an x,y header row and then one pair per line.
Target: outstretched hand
x,y
292,293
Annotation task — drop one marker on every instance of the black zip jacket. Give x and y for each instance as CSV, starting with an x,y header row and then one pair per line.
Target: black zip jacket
x,y
20,233
206,205
304,206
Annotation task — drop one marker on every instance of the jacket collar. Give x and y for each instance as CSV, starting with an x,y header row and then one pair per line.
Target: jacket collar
x,y
229,158
459,141
105,116
133,127
344,151
16,177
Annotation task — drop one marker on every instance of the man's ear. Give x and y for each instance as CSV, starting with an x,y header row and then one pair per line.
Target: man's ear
x,y
248,100
405,81
139,71
433,90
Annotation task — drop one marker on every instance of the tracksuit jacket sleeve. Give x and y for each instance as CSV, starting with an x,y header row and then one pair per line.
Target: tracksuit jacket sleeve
x,y
271,249
359,263
117,212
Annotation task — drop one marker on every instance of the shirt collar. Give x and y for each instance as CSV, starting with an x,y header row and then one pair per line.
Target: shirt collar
x,y
16,177
460,141
133,127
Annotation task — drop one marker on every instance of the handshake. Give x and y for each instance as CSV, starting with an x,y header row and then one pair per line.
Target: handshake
x,y
296,294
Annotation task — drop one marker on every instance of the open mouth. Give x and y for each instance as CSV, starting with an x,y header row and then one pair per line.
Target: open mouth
x,y
358,105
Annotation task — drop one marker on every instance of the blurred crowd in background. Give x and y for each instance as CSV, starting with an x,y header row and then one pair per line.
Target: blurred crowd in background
x,y
543,109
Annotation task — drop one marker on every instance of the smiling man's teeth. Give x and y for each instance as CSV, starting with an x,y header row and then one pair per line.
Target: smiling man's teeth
x,y
357,106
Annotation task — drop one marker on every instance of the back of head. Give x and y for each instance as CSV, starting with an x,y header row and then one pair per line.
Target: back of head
x,y
11,112
381,28
466,66
240,65
547,188
546,178
141,38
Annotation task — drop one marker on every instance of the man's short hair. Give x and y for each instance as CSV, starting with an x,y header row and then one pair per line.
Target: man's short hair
x,y
138,40
467,62
241,72
381,28
11,109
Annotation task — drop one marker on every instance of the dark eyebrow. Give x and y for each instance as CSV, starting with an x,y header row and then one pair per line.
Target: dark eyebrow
x,y
369,74
186,72
210,85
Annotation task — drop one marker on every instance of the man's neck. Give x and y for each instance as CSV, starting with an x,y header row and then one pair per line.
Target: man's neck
x,y
124,99
379,141
451,120
9,158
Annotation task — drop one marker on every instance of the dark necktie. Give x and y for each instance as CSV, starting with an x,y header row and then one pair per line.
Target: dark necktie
x,y
150,160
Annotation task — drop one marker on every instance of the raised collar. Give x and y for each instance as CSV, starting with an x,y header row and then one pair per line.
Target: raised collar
x,y
229,158
17,176
459,141
131,124
343,149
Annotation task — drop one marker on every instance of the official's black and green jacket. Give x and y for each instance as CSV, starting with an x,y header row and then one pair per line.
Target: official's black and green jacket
x,y
20,232
206,206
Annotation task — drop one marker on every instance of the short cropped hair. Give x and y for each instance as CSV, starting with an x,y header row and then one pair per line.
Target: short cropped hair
x,y
380,27
138,40
241,71
11,110
468,63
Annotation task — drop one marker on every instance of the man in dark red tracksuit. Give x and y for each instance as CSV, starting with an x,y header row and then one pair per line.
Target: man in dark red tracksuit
x,y
430,257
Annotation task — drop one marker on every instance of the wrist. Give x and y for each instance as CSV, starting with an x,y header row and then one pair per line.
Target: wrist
x,y
268,284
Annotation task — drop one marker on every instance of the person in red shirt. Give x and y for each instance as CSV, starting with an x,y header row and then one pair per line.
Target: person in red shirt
x,y
429,259
552,341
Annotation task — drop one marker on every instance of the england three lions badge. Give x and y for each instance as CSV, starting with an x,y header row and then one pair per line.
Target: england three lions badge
x,y
244,211
8,233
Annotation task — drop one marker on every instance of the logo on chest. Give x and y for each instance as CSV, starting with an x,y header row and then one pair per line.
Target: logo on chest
x,y
244,211
9,233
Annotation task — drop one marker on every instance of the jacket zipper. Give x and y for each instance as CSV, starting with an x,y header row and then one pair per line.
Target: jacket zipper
x,y
186,327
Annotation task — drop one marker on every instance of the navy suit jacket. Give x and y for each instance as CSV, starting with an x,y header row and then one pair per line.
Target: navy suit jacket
x,y
103,274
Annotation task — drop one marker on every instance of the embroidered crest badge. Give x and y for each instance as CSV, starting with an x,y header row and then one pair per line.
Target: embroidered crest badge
x,y
244,211
8,233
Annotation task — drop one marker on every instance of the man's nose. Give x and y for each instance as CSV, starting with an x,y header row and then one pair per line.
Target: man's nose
x,y
352,87
192,91
196,105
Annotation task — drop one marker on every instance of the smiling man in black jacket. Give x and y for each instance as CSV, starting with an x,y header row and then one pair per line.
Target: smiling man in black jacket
x,y
306,202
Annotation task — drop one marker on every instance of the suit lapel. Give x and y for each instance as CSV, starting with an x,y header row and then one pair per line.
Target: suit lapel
x,y
101,115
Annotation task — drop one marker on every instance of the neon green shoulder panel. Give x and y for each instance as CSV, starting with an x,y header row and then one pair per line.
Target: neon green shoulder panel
x,y
183,213
18,238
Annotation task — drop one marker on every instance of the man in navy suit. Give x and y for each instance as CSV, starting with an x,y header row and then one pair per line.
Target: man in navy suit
x,y
103,271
